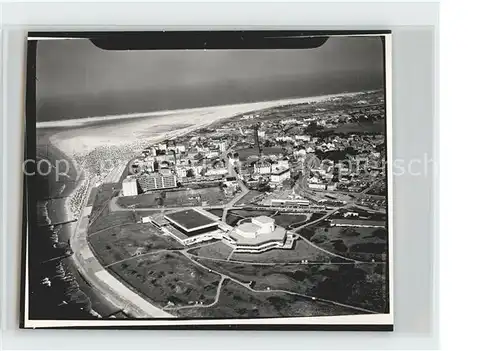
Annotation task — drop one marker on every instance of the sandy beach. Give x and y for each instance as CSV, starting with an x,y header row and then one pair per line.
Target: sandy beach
x,y
85,134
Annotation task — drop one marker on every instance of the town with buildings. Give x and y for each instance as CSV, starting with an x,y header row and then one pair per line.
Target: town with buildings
x,y
294,187
316,160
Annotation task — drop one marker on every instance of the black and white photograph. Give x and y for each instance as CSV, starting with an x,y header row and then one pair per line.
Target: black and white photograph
x,y
208,179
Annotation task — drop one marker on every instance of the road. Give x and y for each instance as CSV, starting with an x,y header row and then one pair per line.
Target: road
x,y
328,213
257,263
115,174
243,188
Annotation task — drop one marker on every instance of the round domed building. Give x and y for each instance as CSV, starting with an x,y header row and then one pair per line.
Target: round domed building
x,y
259,235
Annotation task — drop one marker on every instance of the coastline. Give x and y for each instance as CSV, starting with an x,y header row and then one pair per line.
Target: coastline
x,y
99,305
138,130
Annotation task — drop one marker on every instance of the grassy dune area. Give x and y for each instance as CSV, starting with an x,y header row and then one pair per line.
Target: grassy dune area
x,y
287,220
345,283
119,243
101,196
217,250
111,219
236,301
168,277
359,243
216,212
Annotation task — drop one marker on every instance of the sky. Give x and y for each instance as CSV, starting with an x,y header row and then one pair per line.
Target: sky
x,y
77,79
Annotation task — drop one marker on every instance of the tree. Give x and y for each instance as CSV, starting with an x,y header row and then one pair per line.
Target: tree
x,y
349,232
190,173
312,128
380,233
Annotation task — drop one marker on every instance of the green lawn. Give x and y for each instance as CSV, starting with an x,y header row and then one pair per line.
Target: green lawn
x,y
285,220
359,243
118,243
344,283
236,301
216,250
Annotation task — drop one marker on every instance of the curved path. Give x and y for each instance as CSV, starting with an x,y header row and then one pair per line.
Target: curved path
x,y
247,285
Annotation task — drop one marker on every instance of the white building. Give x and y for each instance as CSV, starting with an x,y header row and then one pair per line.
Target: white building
x,y
196,225
181,172
319,186
332,186
284,138
262,167
283,163
258,236
303,137
315,183
216,171
280,175
129,186
288,121
221,145
211,154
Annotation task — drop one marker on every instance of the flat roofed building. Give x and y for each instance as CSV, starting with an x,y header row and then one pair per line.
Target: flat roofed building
x,y
290,202
189,226
129,186
157,181
158,220
262,167
279,175
190,220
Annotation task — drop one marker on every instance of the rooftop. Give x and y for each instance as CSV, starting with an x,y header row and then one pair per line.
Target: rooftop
x,y
264,220
280,171
190,220
248,227
159,218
